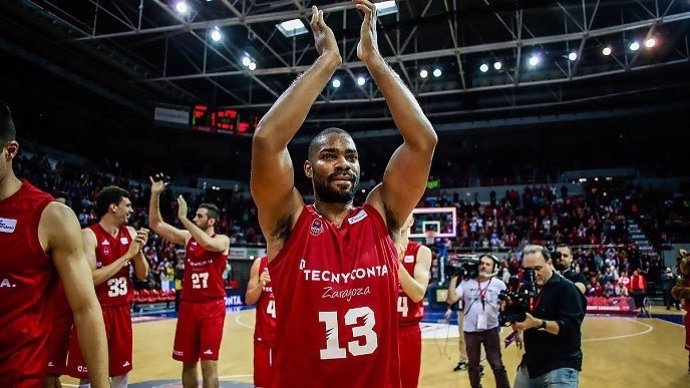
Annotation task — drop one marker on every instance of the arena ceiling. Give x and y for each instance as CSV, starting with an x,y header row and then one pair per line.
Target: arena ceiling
x,y
139,53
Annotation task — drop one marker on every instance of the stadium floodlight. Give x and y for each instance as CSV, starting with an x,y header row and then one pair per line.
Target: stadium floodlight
x,y
572,56
606,51
649,43
361,81
498,65
484,68
634,46
423,73
534,60
336,83
181,7
252,65
292,28
216,36
437,73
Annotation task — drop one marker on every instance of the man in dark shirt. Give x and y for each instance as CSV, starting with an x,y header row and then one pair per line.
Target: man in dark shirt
x,y
552,335
563,261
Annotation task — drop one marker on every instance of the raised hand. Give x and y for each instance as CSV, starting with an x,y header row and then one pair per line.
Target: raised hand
x,y
142,236
181,207
324,40
158,183
367,47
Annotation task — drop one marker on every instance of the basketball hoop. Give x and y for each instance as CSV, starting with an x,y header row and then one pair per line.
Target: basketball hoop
x,y
430,236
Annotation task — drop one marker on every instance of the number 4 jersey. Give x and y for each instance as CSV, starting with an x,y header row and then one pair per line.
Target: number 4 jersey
x,y
203,274
336,290
265,327
118,289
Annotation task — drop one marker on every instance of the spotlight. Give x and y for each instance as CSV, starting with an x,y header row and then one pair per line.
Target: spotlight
x,y
336,83
216,36
423,73
634,46
484,68
649,43
498,65
246,61
606,51
437,73
181,7
252,65
361,81
534,60
572,56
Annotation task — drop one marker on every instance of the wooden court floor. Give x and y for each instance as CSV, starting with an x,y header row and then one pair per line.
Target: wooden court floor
x,y
619,353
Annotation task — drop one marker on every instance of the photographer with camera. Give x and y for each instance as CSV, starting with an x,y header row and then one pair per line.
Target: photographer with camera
x,y
563,259
552,336
479,292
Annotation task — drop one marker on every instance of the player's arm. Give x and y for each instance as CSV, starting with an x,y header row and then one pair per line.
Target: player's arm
x,y
141,265
102,274
272,175
162,228
415,285
60,225
406,175
254,286
453,296
219,243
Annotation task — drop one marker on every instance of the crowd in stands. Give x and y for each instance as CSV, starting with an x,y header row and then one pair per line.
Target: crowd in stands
x,y
595,224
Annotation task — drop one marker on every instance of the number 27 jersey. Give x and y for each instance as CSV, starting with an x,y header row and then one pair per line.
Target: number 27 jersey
x,y
336,290
203,274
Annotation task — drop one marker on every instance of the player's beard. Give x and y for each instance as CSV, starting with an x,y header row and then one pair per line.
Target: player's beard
x,y
326,193
203,225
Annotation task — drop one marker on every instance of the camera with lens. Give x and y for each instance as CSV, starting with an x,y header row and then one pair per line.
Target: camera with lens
x,y
517,303
465,268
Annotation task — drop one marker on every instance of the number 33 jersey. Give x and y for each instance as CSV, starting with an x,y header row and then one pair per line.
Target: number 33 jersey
x,y
118,289
336,290
203,274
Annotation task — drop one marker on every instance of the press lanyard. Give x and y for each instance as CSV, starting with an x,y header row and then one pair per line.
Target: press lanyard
x,y
482,293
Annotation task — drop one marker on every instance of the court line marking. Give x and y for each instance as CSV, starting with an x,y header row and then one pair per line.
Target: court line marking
x,y
239,322
234,376
649,329
672,323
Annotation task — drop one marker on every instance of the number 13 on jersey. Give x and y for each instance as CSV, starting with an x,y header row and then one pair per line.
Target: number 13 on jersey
x,y
333,349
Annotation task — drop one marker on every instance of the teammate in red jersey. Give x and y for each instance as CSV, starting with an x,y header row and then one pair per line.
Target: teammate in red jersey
x,y
40,243
414,278
111,247
202,304
260,292
334,266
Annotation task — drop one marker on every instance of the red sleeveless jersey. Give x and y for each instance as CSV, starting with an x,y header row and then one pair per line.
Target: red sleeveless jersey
x,y
409,312
27,279
203,274
336,290
264,330
118,289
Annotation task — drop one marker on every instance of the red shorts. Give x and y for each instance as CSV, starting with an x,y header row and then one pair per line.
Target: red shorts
x,y
199,331
58,343
263,360
118,331
410,348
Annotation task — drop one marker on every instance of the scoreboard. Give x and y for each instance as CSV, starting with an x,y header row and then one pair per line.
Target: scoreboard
x,y
221,120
